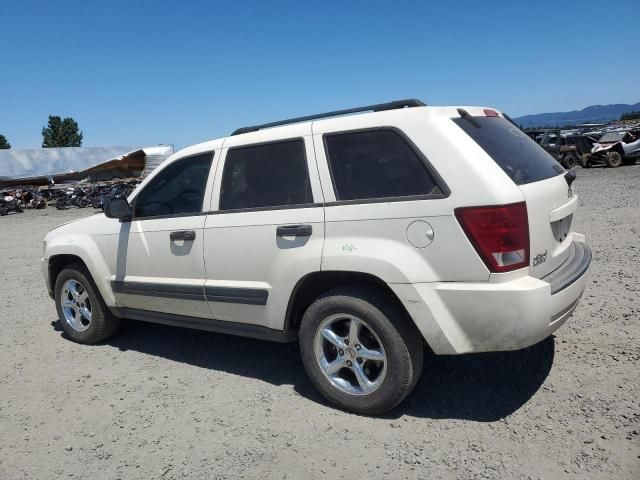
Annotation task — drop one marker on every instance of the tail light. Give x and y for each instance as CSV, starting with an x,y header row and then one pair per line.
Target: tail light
x,y
500,234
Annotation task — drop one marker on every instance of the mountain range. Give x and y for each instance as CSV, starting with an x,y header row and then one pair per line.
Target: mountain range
x,y
592,114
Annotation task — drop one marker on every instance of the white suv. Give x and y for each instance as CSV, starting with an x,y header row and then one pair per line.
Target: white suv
x,y
361,236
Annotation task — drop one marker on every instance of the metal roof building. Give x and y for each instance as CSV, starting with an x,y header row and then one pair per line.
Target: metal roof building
x,y
38,166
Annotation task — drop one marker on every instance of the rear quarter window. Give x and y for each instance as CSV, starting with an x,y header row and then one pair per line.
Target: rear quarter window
x,y
376,164
520,157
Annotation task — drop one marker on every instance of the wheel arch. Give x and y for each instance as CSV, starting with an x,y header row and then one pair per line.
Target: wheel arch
x,y
314,284
92,261
57,263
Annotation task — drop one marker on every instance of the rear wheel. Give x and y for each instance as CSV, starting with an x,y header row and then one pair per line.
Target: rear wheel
x,y
81,310
360,350
614,159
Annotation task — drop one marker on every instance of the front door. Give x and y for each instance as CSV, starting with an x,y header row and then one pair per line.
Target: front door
x,y
159,257
267,231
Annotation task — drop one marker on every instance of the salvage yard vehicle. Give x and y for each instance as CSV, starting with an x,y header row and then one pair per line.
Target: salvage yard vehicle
x,y
72,197
363,234
566,153
615,148
9,204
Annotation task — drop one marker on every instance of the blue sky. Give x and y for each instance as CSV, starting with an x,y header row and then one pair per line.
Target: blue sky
x,y
181,72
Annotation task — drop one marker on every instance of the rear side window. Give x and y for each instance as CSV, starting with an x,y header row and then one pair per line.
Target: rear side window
x,y
520,157
267,175
177,190
376,164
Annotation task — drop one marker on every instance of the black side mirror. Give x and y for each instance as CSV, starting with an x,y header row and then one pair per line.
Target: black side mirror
x,y
117,207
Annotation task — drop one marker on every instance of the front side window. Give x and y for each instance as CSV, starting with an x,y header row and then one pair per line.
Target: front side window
x,y
176,190
267,175
376,164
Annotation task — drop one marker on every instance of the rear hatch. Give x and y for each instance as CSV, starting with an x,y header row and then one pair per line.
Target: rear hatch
x,y
543,182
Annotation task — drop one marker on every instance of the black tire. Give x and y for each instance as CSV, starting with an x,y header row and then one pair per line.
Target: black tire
x,y
62,204
569,161
401,340
103,323
614,159
3,210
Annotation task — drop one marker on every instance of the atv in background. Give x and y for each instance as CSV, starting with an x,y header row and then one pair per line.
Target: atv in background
x,y
568,150
615,148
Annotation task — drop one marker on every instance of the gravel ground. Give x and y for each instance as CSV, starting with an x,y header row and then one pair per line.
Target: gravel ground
x,y
167,403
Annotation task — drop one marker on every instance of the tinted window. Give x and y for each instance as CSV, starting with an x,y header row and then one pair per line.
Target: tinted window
x,y
265,176
520,157
177,189
376,164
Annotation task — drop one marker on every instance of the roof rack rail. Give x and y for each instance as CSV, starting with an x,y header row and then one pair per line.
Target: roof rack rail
x,y
397,104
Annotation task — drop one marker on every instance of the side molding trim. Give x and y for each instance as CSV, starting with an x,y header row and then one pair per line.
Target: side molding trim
x,y
247,296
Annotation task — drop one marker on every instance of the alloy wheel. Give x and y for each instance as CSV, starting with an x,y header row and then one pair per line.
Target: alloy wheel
x,y
350,354
76,305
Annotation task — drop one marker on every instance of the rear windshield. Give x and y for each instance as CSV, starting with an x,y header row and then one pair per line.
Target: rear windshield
x,y
520,157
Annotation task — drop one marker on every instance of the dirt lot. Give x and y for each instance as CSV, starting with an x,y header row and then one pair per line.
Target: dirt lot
x,y
162,402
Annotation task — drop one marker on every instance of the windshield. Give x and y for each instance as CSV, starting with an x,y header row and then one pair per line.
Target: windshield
x,y
611,137
520,157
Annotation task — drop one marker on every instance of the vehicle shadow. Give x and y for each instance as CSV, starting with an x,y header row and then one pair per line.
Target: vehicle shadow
x,y
481,387
484,387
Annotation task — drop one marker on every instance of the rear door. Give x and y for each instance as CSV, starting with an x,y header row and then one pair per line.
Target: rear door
x,y
266,230
550,200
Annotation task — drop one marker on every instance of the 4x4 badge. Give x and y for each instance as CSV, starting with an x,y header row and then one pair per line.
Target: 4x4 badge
x,y
540,258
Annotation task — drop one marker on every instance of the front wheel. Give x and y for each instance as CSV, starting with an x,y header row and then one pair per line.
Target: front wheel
x,y
614,159
360,349
81,310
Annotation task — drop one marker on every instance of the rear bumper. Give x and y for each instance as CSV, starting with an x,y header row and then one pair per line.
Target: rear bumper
x,y
460,317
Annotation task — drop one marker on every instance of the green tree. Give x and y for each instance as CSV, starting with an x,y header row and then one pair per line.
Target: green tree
x,y
4,143
61,133
630,116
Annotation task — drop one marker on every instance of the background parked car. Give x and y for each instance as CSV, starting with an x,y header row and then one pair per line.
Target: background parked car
x,y
615,148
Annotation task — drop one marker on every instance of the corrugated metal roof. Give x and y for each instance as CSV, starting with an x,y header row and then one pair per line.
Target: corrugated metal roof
x,y
154,157
30,163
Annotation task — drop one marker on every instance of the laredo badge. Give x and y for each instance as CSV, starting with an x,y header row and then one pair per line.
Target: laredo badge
x,y
540,258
